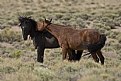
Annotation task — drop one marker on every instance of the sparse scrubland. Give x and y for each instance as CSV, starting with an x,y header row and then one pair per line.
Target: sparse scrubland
x,y
18,57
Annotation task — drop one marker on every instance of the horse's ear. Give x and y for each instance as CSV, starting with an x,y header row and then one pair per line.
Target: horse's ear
x,y
50,20
19,17
45,19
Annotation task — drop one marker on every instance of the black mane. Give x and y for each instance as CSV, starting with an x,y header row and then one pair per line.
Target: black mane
x,y
31,22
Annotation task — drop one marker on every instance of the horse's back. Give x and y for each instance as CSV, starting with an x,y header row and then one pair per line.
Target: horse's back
x,y
80,39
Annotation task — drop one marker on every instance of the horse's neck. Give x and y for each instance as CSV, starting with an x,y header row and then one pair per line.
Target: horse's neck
x,y
54,29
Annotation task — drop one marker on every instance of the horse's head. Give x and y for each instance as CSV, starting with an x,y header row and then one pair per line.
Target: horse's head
x,y
28,26
44,24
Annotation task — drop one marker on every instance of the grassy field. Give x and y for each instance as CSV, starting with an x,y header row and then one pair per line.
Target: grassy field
x,y
18,57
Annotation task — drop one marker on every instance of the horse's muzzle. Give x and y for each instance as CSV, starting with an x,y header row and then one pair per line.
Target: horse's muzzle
x,y
25,38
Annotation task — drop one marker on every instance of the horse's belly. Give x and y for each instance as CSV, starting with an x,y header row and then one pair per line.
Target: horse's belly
x,y
79,47
77,44
82,47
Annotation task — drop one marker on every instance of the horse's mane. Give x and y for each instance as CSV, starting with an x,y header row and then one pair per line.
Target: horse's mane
x,y
28,19
33,22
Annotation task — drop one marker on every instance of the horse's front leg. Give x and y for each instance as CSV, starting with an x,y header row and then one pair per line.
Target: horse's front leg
x,y
78,55
71,54
64,52
40,54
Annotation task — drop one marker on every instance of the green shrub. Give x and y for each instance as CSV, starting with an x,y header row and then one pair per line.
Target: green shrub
x,y
8,35
118,37
7,69
113,34
44,73
16,54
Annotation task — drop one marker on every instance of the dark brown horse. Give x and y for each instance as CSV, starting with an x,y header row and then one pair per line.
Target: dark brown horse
x,y
83,39
42,39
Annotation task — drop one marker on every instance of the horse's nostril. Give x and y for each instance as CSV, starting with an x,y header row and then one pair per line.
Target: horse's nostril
x,y
25,38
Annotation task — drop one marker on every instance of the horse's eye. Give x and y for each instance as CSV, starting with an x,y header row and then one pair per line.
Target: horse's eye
x,y
19,24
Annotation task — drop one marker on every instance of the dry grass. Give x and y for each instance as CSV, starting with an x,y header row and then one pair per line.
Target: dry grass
x,y
18,58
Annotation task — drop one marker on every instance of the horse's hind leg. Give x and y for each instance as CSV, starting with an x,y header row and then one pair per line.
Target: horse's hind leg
x,y
79,54
64,53
71,54
101,57
96,59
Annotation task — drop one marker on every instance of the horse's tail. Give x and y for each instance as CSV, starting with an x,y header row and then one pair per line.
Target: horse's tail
x,y
97,46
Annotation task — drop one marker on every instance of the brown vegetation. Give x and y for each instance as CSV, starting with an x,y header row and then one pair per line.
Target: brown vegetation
x,y
18,57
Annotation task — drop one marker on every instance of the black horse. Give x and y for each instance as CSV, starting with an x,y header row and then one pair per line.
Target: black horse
x,y
43,39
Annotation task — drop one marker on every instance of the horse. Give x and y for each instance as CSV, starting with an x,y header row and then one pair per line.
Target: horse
x,y
42,39
69,38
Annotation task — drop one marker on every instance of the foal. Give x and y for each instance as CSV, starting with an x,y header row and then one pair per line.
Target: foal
x,y
68,38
